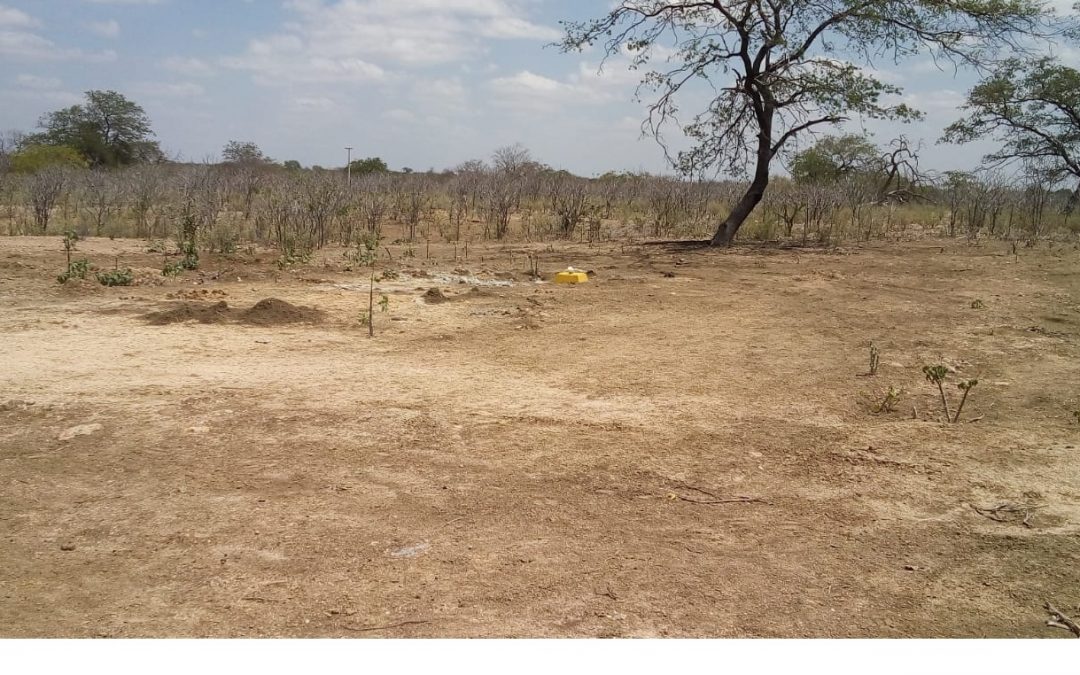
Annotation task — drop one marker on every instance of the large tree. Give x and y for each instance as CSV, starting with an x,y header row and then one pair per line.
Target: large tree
x,y
244,153
107,129
834,157
780,68
1032,107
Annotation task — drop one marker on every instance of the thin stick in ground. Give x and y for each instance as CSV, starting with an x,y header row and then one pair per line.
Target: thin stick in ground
x,y
371,305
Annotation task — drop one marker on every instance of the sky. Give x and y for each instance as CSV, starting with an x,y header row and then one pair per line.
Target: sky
x,y
420,83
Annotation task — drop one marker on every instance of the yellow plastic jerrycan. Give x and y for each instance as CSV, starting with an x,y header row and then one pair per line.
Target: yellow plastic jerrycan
x,y
571,276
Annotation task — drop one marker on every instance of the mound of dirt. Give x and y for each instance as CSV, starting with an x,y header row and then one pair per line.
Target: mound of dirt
x,y
273,312
218,312
434,296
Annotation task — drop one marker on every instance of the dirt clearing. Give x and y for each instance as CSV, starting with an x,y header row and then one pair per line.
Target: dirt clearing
x,y
687,445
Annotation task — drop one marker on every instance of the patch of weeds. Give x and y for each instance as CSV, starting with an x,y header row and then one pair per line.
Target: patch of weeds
x,y
157,246
978,304
172,269
117,277
384,303
189,261
292,258
77,269
364,318
888,401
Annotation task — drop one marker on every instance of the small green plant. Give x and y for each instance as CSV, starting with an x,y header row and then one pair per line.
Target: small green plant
x,y
75,270
117,277
966,386
70,237
978,304
409,251
172,269
875,359
365,318
292,258
937,374
888,402
384,303
157,246
190,261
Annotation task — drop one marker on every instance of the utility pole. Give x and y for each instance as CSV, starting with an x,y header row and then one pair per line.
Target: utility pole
x,y
348,166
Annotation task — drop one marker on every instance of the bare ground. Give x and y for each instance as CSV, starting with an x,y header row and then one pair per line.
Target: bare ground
x,y
534,460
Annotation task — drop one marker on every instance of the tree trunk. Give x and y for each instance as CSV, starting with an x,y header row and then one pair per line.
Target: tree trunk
x,y
725,234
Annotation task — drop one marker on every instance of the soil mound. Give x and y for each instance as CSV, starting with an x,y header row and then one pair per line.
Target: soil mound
x,y
434,296
273,312
189,311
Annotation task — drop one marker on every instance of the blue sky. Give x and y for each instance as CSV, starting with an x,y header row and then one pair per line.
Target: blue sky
x,y
421,83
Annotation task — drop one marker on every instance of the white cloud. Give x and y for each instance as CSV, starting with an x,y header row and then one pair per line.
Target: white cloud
x,y
400,115
28,46
125,2
106,29
443,94
15,18
589,85
171,89
314,104
358,40
42,96
188,67
36,82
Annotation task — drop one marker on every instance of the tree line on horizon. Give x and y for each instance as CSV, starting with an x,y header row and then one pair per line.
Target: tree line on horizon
x,y
776,81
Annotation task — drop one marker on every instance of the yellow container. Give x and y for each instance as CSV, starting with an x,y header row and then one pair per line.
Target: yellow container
x,y
571,276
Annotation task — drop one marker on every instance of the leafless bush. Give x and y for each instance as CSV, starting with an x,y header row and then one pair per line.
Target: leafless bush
x,y
44,190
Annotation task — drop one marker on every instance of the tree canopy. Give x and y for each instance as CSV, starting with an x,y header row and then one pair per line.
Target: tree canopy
x,y
1032,107
779,68
834,157
361,167
107,130
244,152
34,158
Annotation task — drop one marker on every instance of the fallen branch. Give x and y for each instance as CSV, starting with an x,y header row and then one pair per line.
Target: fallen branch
x,y
1001,513
716,499
1059,620
386,627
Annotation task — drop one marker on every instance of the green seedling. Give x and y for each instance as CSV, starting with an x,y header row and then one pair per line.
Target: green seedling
x,y
875,359
124,277
384,303
889,400
77,269
978,304
965,387
937,374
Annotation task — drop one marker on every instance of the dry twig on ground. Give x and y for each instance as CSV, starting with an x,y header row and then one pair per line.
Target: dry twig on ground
x,y
1059,620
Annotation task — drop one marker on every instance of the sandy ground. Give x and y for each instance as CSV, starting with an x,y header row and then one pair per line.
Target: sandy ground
x,y
644,455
